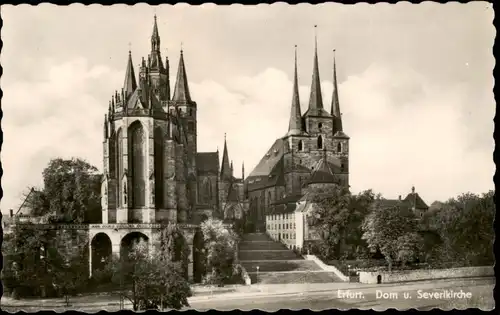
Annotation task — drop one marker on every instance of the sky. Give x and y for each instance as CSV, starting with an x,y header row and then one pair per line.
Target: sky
x,y
415,84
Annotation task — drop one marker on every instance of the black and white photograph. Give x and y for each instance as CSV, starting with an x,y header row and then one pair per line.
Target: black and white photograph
x,y
240,157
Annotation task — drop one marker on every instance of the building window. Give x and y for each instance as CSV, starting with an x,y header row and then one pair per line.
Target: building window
x,y
190,112
320,125
300,146
339,147
320,142
286,226
342,167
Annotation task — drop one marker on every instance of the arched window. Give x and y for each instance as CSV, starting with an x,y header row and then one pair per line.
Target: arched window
x,y
158,171
320,142
136,164
320,125
119,165
112,156
339,147
300,145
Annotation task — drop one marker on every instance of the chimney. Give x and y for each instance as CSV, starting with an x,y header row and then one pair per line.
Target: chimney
x,y
11,212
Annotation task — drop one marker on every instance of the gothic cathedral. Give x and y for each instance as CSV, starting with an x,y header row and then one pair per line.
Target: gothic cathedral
x,y
152,170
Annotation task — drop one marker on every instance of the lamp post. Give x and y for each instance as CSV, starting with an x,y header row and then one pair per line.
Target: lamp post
x,y
44,266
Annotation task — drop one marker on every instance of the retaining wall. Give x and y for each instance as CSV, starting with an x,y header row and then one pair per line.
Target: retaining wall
x,y
425,274
326,267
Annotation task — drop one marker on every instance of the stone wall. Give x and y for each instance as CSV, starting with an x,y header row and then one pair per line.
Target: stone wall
x,y
326,267
425,274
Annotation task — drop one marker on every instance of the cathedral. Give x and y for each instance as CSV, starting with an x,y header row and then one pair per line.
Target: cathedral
x,y
313,153
153,172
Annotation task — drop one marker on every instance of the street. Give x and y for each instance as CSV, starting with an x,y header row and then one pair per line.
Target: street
x,y
481,290
318,296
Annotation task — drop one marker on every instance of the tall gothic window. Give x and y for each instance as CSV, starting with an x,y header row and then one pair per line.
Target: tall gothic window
x,y
119,166
320,142
136,167
158,171
112,155
339,147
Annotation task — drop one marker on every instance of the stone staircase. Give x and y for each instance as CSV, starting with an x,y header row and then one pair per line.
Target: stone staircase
x,y
268,261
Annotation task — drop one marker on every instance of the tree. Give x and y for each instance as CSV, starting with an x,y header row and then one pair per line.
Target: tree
x,y
220,247
393,231
156,281
465,227
69,273
338,215
71,191
38,264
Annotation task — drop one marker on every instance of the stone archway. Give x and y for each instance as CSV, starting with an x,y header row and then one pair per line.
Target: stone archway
x,y
101,251
130,242
198,257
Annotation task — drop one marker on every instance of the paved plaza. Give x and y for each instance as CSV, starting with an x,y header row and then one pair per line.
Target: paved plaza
x,y
314,296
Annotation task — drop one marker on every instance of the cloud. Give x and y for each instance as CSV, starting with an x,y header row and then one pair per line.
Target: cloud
x,y
404,129
60,115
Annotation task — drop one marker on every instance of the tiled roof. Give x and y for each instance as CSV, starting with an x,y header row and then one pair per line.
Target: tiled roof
x,y
275,178
269,161
207,162
415,201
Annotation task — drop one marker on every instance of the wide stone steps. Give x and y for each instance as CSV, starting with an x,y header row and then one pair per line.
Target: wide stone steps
x,y
279,266
293,277
261,245
256,237
280,254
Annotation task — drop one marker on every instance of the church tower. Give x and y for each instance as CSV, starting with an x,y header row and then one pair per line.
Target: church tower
x,y
186,110
296,140
340,139
139,182
318,122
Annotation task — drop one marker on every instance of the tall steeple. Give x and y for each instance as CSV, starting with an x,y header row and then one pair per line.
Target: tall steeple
x,y
335,110
226,167
130,83
295,123
155,62
155,38
181,91
315,99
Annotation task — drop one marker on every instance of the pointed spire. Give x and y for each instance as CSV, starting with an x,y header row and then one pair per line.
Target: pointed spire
x,y
130,83
181,91
295,123
335,110
226,167
155,37
315,99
